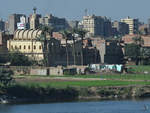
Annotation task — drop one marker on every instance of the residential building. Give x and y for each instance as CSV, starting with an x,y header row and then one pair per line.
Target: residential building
x,y
97,26
55,22
73,24
6,26
12,21
128,39
133,24
2,25
121,27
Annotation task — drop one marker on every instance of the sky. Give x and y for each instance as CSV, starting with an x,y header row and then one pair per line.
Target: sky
x,y
75,9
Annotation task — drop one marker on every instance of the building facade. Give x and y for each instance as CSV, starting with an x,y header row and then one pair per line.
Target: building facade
x,y
12,22
55,22
121,27
2,25
111,51
133,24
97,25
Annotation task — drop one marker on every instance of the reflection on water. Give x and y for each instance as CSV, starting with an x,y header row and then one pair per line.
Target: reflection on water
x,y
124,106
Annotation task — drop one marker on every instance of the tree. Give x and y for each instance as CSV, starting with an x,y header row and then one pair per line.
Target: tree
x,y
139,42
19,59
5,76
81,33
132,51
4,58
67,35
46,30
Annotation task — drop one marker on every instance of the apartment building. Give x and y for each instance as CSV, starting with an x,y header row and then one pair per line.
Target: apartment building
x,y
133,24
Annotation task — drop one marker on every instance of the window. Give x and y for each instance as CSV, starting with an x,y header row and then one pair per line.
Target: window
x,y
12,47
24,47
34,47
20,47
28,47
15,47
40,47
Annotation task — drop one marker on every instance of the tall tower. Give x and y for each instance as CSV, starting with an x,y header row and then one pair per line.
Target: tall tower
x,y
34,19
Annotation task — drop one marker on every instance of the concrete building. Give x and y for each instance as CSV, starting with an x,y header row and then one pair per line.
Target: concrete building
x,y
23,24
121,27
12,21
97,25
133,24
2,25
6,26
148,23
73,24
55,22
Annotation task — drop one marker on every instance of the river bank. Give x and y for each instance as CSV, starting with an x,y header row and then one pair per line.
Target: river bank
x,y
22,94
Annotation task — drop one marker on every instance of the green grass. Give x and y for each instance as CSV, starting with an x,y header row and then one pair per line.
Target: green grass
x,y
112,76
139,69
63,84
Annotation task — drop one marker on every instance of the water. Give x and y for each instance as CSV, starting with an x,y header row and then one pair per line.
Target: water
x,y
124,106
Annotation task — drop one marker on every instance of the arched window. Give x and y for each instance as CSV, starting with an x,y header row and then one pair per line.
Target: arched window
x,y
40,47
24,47
34,47
15,47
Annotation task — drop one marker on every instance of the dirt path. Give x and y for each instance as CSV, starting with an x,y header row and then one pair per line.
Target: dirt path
x,y
48,79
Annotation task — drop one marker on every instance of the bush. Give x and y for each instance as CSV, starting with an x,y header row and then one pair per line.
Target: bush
x,y
19,59
6,76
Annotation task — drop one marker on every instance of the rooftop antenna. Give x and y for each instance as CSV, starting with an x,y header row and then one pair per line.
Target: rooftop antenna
x,y
86,12
34,10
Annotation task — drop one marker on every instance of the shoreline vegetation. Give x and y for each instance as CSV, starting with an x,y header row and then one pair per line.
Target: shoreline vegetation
x,y
37,88
76,88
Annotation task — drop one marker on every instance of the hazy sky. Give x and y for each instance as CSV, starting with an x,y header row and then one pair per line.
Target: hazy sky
x,y
74,9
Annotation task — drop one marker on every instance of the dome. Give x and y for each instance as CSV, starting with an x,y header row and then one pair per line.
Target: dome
x,y
27,34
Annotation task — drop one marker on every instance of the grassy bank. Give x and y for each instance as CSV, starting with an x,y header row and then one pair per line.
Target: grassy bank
x,y
64,84
71,91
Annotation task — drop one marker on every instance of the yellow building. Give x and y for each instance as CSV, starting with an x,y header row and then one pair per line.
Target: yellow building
x,y
26,42
133,24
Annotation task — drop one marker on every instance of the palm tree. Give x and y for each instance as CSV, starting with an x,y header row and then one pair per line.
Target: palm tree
x,y
73,31
66,35
81,33
139,42
45,42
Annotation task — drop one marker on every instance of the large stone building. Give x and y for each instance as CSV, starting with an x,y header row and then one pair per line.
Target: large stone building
x,y
133,24
110,51
25,42
12,22
97,26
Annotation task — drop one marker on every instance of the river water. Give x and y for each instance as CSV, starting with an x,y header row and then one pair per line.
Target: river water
x,y
123,106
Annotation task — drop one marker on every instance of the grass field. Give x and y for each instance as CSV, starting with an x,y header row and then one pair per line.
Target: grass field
x,y
111,80
62,84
